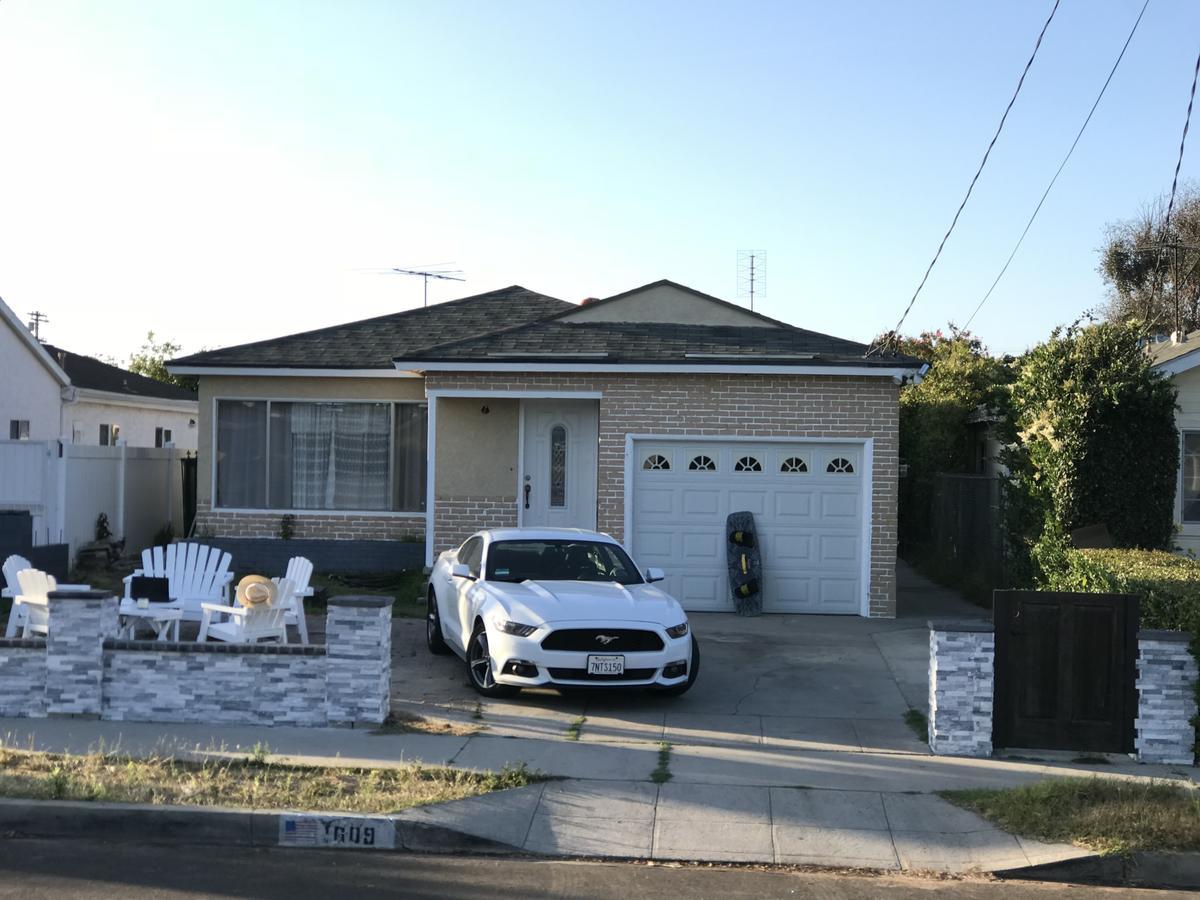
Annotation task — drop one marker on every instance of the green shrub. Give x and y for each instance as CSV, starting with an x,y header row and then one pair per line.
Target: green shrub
x,y
1168,585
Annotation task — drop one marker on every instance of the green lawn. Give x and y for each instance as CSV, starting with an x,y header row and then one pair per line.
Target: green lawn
x,y
1105,814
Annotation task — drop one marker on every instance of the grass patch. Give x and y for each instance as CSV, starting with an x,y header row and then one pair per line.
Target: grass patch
x,y
1103,814
662,773
915,719
409,723
405,587
575,728
253,782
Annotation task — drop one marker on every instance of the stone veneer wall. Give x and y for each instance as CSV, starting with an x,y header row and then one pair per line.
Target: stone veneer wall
x,y
961,688
81,670
708,405
1166,686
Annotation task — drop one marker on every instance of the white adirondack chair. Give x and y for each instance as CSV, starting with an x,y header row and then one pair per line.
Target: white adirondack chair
x,y
36,586
246,624
16,616
298,574
197,574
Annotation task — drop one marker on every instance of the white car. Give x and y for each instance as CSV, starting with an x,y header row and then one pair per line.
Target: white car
x,y
534,607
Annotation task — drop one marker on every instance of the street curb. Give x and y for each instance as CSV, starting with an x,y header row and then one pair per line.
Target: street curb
x,y
219,826
1149,869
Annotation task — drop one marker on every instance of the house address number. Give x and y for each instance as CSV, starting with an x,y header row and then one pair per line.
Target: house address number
x,y
325,831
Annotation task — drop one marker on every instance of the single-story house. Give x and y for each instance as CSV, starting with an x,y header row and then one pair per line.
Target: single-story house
x,y
1179,357
650,415
53,394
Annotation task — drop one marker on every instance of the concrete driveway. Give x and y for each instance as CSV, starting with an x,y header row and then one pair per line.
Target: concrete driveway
x,y
783,682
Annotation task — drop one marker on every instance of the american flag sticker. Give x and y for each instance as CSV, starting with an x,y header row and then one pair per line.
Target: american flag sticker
x,y
359,832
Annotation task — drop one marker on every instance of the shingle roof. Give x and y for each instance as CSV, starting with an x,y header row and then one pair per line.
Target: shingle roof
x,y
373,343
91,374
643,342
1165,351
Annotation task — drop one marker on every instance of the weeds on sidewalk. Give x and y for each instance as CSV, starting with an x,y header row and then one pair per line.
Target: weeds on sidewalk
x,y
662,774
1103,814
251,782
575,728
399,722
915,719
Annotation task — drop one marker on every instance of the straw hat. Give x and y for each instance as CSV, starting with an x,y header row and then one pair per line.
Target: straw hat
x,y
257,590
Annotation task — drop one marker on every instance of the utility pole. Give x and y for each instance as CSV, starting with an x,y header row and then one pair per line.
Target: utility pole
x,y
36,318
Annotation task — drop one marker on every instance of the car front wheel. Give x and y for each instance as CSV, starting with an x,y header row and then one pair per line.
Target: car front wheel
x,y
479,666
434,639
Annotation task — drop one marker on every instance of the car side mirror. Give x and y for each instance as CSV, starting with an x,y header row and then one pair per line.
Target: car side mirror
x,y
653,575
461,570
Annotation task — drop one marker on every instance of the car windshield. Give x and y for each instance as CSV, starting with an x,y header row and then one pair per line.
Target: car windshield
x,y
565,560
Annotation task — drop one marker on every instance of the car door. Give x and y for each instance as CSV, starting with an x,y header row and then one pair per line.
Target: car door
x,y
471,556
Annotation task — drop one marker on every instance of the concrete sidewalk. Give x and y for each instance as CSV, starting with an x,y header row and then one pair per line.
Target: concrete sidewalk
x,y
780,825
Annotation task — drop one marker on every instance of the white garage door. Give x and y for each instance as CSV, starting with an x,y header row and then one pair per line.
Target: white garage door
x,y
807,500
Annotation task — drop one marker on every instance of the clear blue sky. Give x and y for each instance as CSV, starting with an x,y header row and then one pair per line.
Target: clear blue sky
x,y
223,171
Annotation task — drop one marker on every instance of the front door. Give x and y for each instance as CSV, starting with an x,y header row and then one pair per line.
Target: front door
x,y
558,484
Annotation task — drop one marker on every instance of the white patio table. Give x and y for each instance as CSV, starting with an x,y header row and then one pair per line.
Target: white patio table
x,y
163,618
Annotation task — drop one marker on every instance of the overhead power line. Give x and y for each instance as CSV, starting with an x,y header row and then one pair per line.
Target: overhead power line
x,y
1187,119
1061,166
983,162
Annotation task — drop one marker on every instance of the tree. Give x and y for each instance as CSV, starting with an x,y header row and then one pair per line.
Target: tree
x,y
151,361
1154,274
1091,439
933,417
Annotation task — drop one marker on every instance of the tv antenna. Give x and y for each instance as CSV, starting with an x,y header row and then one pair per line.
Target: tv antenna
x,y
751,275
427,272
36,318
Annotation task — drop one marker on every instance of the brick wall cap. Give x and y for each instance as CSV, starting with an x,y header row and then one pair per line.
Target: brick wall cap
x,y
1170,637
947,625
16,643
361,601
80,595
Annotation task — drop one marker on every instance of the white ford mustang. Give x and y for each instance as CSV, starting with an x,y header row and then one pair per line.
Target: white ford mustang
x,y
530,607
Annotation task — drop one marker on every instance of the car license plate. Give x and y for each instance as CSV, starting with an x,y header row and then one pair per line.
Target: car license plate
x,y
606,665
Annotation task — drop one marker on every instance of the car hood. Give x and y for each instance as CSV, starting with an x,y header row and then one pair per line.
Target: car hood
x,y
537,602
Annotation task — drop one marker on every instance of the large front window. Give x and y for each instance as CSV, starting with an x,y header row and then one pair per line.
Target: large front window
x,y
1191,476
275,454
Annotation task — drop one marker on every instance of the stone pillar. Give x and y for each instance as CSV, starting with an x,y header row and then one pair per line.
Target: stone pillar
x,y
1166,686
358,644
79,623
961,688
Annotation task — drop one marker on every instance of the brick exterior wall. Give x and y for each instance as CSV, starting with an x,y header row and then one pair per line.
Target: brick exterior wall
x,y
714,405
335,526
457,518
22,677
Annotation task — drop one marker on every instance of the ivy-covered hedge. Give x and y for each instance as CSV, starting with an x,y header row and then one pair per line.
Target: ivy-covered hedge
x,y
1168,585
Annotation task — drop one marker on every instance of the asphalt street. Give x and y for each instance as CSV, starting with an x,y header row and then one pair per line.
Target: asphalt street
x,y
85,869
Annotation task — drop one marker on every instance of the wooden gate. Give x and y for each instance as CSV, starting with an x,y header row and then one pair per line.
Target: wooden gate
x,y
1065,670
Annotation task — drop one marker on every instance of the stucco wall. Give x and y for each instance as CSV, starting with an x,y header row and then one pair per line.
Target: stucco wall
x,y
477,452
82,420
1187,418
767,405
281,388
665,304
28,390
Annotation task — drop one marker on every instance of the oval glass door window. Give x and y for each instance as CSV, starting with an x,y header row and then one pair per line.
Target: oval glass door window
x,y
558,466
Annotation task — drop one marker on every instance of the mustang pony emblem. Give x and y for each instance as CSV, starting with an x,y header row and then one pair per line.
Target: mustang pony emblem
x,y
607,639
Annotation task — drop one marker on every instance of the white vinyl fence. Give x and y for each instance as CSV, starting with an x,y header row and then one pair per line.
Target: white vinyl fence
x,y
66,487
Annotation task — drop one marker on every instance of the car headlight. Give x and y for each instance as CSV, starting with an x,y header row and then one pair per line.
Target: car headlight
x,y
678,631
510,627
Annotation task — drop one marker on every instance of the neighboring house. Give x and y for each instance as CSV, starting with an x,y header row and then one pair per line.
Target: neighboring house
x,y
52,394
650,415
1179,358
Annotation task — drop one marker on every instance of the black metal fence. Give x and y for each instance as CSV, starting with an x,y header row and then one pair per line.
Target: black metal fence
x,y
966,520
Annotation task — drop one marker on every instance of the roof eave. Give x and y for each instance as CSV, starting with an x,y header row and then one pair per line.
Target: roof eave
x,y
836,369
